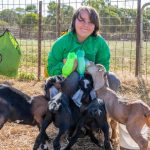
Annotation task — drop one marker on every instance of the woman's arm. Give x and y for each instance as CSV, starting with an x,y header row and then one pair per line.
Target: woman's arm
x,y
103,54
55,59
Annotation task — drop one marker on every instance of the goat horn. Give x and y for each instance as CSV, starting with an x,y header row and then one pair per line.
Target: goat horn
x,y
101,67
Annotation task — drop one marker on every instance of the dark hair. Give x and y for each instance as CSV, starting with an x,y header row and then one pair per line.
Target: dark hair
x,y
94,18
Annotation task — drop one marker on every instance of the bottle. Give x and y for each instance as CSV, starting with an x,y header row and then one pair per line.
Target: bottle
x,y
69,65
81,62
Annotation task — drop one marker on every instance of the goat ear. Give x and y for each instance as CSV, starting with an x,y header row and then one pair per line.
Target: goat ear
x,y
106,79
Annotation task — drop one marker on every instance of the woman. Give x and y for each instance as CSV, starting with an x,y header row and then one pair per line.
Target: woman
x,y
84,36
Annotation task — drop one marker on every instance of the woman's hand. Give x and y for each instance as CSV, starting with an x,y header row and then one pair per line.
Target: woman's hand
x,y
75,64
64,61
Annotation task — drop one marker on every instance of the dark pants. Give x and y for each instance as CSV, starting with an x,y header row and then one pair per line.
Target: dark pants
x,y
73,79
113,81
70,84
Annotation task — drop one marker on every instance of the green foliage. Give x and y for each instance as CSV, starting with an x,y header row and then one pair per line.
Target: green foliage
x,y
116,23
123,56
66,16
112,16
31,8
20,11
23,76
146,18
52,7
66,13
3,23
30,20
9,16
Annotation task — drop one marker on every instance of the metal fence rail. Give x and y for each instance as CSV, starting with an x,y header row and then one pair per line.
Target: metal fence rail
x,y
36,25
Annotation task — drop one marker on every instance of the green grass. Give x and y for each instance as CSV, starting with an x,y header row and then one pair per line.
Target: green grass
x,y
123,55
23,76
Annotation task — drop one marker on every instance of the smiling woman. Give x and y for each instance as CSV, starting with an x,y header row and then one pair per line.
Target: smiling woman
x,y
84,35
83,43
84,26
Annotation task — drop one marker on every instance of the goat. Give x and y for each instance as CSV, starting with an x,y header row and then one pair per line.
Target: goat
x,y
93,119
53,81
65,116
134,115
15,106
59,111
60,114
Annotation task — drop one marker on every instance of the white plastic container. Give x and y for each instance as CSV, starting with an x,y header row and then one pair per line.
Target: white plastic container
x,y
125,139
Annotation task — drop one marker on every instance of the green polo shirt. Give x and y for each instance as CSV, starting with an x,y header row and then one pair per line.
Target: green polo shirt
x,y
95,48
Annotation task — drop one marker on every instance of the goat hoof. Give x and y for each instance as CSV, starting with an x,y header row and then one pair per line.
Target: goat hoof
x,y
101,145
114,141
44,147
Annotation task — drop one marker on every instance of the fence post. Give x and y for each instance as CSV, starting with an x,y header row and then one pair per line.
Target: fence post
x,y
138,40
58,19
39,39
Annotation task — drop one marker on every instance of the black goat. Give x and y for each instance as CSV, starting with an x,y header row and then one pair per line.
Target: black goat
x,y
60,114
63,117
59,111
15,106
94,118
93,115
68,119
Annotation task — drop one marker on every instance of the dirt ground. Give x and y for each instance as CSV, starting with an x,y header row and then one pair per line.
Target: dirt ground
x,y
22,137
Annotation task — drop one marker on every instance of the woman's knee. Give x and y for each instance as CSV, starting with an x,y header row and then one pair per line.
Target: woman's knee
x,y
70,84
113,81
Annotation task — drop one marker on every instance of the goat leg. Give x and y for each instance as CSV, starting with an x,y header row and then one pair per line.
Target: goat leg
x,y
56,142
105,129
93,138
3,119
46,138
137,136
73,140
40,138
114,127
43,144
76,133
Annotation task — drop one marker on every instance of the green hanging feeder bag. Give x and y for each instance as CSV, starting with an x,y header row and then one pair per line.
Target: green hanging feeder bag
x,y
10,54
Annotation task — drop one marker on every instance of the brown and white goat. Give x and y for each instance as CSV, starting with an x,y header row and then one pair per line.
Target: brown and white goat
x,y
134,115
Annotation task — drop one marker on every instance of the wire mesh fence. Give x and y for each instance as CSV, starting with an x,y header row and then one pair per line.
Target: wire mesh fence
x,y
118,26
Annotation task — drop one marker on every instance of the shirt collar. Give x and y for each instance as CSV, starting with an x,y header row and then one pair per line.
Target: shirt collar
x,y
76,39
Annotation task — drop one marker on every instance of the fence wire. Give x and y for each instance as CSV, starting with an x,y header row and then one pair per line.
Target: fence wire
x,y
118,27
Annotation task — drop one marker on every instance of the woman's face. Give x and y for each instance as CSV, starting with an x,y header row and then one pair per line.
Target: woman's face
x,y
83,26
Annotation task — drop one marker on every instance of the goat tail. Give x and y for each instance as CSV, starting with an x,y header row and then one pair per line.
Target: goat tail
x,y
147,115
